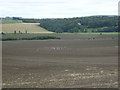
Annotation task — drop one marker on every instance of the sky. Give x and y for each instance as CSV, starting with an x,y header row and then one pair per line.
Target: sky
x,y
57,8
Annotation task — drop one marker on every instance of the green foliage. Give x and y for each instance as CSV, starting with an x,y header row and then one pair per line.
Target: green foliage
x,y
2,33
30,20
8,39
102,29
11,21
100,33
32,38
119,24
14,32
82,24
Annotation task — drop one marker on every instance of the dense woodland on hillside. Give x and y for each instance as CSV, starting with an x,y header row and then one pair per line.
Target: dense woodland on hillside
x,y
82,24
119,23
77,25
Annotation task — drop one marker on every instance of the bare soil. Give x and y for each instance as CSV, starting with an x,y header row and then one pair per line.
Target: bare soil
x,y
65,63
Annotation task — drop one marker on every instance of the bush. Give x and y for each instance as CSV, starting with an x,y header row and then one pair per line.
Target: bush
x,y
8,39
32,38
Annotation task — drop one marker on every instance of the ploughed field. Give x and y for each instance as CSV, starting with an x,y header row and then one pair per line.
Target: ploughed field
x,y
72,62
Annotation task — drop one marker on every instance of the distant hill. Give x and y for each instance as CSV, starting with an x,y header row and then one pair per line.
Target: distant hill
x,y
18,20
98,23
23,28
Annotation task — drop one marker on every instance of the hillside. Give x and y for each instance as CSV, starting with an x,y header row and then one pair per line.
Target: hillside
x,y
89,24
23,28
81,24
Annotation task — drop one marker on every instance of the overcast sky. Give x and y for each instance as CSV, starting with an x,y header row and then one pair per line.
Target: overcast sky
x,y
57,8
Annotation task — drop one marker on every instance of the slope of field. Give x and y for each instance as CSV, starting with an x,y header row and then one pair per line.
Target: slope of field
x,y
23,27
65,63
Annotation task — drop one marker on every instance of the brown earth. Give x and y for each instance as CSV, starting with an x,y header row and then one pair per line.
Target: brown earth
x,y
65,63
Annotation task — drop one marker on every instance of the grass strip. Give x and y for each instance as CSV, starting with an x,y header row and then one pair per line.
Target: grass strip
x,y
31,38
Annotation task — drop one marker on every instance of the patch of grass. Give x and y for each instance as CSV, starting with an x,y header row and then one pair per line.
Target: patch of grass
x,y
8,39
32,38
100,33
11,21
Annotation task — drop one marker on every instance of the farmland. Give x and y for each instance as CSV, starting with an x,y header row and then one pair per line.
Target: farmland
x,y
23,28
10,21
74,61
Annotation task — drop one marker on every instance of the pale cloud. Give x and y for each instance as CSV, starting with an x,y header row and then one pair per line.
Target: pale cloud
x,y
57,8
